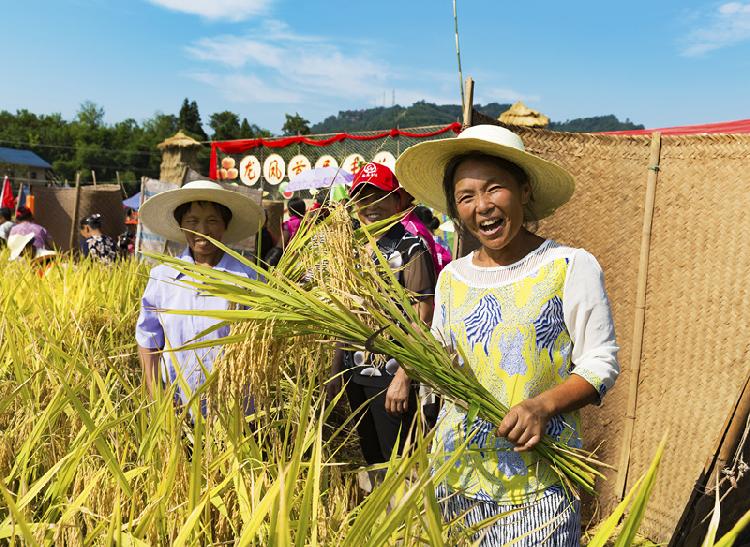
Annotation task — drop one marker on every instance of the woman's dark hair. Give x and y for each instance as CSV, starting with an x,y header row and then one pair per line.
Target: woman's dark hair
x,y
449,179
427,217
297,207
23,213
224,211
6,213
92,221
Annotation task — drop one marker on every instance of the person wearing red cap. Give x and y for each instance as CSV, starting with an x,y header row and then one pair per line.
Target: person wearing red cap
x,y
385,420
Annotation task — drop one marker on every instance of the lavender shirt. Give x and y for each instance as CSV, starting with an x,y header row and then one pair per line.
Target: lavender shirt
x,y
166,291
41,237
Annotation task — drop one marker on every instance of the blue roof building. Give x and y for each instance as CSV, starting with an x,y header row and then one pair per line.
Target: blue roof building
x,y
23,166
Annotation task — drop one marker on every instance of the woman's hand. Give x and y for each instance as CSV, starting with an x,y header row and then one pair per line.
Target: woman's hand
x,y
525,423
397,396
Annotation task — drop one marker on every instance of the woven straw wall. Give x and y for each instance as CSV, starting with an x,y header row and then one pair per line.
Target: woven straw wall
x,y
698,307
696,303
54,209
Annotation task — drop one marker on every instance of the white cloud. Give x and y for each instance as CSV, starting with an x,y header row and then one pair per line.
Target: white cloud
x,y
272,63
228,10
239,88
728,25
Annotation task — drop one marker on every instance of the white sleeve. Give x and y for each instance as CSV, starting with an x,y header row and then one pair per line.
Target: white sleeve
x,y
589,320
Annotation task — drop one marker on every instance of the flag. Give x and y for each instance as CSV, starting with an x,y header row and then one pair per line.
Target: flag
x,y
21,200
6,197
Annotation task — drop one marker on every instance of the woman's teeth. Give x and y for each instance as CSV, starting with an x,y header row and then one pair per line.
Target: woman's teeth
x,y
491,225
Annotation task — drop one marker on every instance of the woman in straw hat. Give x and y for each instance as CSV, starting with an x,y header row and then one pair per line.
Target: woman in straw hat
x,y
188,214
21,246
533,320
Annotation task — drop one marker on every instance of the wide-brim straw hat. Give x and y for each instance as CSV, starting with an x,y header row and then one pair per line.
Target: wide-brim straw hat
x,y
18,242
157,213
421,168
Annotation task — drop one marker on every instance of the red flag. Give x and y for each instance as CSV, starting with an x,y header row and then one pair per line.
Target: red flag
x,y
7,200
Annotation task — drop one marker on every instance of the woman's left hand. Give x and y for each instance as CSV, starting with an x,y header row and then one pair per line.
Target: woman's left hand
x,y
525,423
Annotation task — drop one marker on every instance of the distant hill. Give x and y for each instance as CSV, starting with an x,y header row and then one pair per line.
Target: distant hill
x,y
424,113
416,115
596,124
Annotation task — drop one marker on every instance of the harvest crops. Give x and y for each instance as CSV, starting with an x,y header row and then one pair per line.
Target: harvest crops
x,y
86,458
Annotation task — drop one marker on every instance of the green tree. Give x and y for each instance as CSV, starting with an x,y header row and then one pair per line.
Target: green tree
x,y
295,125
252,131
90,114
226,126
190,120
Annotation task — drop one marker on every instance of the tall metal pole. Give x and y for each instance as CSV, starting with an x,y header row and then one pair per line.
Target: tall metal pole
x,y
458,55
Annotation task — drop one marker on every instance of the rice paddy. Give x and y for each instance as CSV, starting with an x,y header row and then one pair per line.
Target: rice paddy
x,y
86,458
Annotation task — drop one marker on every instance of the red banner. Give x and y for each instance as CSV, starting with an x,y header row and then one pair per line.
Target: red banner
x,y
240,146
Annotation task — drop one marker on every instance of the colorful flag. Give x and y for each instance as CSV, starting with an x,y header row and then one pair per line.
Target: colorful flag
x,y
21,200
6,197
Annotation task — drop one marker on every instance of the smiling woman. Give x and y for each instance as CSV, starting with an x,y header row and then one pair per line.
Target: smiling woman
x,y
196,210
531,319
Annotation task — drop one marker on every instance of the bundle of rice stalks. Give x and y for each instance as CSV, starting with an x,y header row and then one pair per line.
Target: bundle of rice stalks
x,y
360,304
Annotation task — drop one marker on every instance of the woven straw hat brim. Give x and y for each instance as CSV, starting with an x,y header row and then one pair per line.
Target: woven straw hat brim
x,y
421,168
157,213
17,243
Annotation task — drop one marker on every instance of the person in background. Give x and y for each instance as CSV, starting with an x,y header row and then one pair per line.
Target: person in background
x,y
297,208
389,393
21,246
428,219
6,223
99,246
534,323
26,225
188,214
415,226
268,248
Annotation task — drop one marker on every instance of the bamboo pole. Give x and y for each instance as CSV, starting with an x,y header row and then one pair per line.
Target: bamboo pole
x,y
74,220
640,315
458,56
93,176
469,102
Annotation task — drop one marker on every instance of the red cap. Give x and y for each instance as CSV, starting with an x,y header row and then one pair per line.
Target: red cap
x,y
377,174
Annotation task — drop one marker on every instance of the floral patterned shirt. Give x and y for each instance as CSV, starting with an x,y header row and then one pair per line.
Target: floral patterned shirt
x,y
102,248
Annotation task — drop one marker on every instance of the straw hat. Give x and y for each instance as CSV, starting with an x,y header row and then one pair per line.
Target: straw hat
x,y
421,168
157,213
18,242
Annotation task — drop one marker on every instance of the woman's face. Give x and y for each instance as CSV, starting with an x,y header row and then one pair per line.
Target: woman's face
x,y
374,204
206,220
490,202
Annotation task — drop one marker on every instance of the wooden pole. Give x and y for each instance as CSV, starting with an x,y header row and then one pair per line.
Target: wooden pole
x,y
469,102
458,56
640,315
119,183
93,176
74,221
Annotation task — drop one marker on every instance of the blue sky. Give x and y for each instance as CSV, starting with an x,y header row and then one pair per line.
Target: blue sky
x,y
659,63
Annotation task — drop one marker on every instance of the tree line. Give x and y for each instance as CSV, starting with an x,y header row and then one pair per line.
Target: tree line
x,y
127,147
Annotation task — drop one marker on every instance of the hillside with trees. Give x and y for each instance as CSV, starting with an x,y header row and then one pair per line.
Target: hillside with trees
x,y
424,113
419,114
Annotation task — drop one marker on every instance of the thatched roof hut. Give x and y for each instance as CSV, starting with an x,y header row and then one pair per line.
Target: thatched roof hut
x,y
520,115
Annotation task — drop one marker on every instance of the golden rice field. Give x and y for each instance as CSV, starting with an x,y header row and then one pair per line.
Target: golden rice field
x,y
87,459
